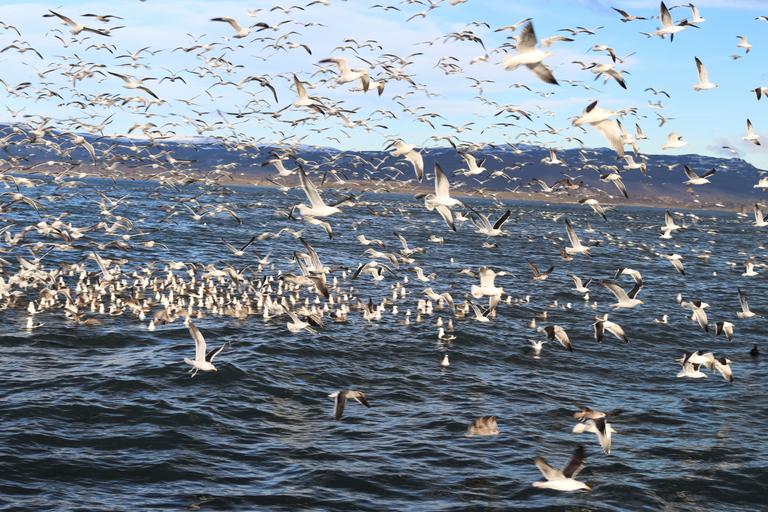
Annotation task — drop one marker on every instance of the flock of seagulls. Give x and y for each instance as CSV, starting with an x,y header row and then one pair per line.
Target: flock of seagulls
x,y
115,275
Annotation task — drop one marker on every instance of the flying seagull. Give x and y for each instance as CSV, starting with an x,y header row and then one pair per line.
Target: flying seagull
x,y
528,55
703,84
340,399
203,361
562,480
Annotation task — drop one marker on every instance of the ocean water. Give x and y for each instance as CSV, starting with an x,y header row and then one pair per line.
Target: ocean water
x,y
107,417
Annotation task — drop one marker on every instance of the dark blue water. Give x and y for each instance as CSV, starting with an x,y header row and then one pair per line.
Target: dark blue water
x,y
107,417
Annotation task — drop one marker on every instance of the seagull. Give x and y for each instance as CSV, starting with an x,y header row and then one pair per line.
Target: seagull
x,y
626,17
304,100
537,345
703,84
408,151
595,205
241,251
615,178
749,269
723,365
487,286
576,247
483,426
692,371
579,286
134,83
674,141
203,361
677,262
695,179
538,275
528,55
317,207
484,227
240,32
562,480
751,136
760,221
340,399
602,324
441,200
745,311
75,27
667,26
625,300
598,426
601,120
555,332
743,43
347,75
724,328
669,226
473,166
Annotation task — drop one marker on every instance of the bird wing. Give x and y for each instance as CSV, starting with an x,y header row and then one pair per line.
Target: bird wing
x,y
666,17
611,131
447,216
63,18
199,342
576,464
302,93
232,22
668,220
575,242
599,328
542,71
310,190
576,280
442,184
487,277
338,405
701,318
548,471
701,70
689,172
418,163
743,302
617,290
527,40
502,219
213,353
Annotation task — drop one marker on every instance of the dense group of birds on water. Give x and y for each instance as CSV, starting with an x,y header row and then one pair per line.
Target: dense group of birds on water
x,y
92,287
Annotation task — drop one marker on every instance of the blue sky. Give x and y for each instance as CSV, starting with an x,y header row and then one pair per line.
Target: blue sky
x,y
707,119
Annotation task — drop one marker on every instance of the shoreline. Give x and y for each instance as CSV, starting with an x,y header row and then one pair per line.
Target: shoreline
x,y
358,186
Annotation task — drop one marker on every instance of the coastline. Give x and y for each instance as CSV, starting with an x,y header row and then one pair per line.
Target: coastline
x,y
393,187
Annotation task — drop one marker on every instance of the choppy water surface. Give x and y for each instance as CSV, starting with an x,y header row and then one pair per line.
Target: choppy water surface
x,y
107,418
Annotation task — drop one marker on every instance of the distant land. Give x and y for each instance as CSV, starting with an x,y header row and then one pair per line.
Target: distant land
x,y
509,175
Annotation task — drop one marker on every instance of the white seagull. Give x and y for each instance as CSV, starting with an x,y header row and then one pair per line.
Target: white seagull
x,y
562,480
528,55
441,200
703,84
203,361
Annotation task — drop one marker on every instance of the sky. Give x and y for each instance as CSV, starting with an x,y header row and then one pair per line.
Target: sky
x,y
708,120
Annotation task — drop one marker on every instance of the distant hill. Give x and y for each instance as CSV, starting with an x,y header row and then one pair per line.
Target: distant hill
x,y
733,183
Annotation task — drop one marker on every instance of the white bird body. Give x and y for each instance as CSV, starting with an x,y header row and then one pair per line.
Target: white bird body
x,y
703,84
202,362
528,55
317,207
